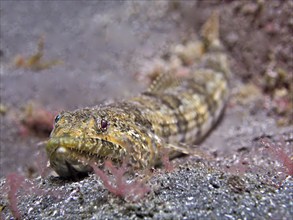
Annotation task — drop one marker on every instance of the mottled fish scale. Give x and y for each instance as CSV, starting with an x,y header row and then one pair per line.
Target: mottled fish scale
x,y
174,110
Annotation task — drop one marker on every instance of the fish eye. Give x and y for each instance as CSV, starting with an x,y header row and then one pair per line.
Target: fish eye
x,y
104,125
57,118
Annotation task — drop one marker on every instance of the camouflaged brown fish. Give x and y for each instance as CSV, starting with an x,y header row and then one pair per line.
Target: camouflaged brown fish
x,y
174,112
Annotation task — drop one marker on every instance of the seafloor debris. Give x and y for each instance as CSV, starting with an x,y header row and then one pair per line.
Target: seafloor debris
x,y
35,62
36,119
3,109
17,185
278,84
132,190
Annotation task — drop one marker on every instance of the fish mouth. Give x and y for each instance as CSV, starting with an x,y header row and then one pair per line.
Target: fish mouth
x,y
67,164
71,156
67,158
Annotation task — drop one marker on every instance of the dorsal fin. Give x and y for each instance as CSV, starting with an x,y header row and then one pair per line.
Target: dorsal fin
x,y
164,81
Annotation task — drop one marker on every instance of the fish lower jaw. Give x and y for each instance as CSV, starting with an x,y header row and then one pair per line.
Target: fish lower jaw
x,y
67,164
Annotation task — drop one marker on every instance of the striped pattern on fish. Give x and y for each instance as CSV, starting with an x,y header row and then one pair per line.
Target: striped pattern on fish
x,y
174,110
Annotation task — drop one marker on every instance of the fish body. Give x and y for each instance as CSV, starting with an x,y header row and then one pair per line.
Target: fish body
x,y
174,110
